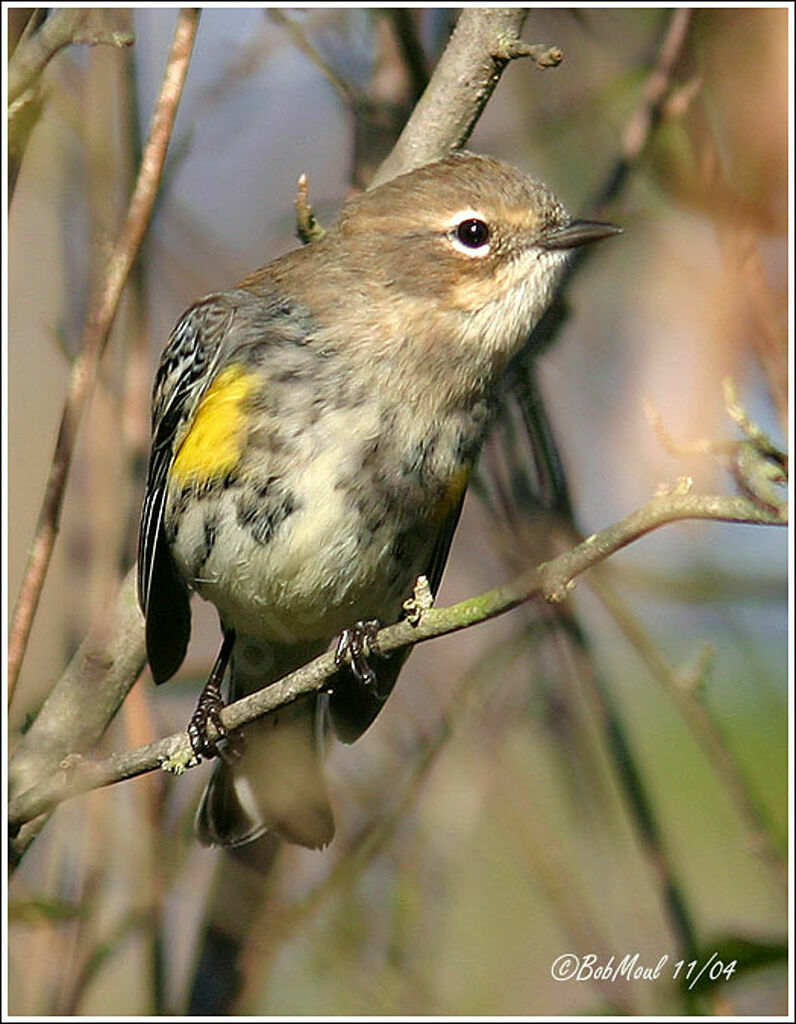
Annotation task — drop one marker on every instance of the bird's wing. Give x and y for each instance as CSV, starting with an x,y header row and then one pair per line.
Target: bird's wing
x,y
352,707
186,368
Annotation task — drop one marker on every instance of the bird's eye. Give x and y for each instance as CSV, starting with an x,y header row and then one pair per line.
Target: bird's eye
x,y
473,233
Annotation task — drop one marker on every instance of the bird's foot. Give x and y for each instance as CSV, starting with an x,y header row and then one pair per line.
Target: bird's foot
x,y
225,743
207,714
354,648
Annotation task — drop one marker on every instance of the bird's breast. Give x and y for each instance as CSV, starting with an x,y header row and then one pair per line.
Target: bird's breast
x,y
327,524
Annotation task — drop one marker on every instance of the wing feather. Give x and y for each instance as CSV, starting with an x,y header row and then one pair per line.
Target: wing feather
x,y
352,708
186,368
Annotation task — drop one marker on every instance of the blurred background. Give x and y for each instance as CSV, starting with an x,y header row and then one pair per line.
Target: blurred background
x,y
612,779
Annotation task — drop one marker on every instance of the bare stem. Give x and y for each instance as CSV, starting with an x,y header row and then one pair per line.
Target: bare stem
x,y
651,107
308,227
698,719
347,90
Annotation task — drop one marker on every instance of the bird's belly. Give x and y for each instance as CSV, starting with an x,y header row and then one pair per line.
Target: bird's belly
x,y
301,555
322,568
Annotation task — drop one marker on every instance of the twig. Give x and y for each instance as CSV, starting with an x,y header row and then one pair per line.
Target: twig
x,y
636,137
651,107
640,804
308,227
87,696
681,449
698,719
482,44
64,27
403,25
43,37
542,56
552,580
347,90
758,465
95,335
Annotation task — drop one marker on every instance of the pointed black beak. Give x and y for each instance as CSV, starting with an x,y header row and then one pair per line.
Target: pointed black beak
x,y
577,232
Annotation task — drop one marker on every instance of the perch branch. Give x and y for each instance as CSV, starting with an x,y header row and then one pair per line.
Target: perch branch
x,y
552,581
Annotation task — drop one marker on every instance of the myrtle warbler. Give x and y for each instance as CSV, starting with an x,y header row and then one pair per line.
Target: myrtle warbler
x,y
314,429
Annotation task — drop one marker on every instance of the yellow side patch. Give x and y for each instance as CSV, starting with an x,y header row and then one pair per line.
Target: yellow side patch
x,y
215,439
453,491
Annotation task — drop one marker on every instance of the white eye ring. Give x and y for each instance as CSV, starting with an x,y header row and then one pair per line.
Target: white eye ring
x,y
469,233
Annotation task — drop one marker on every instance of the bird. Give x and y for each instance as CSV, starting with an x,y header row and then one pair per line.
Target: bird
x,y
314,430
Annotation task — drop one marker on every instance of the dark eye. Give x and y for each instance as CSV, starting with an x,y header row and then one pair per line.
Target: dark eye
x,y
473,233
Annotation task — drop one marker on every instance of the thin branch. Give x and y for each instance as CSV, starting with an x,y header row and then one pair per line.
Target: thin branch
x,y
403,26
88,694
308,227
651,107
348,91
482,44
95,335
760,468
694,712
542,56
552,581
64,27
43,37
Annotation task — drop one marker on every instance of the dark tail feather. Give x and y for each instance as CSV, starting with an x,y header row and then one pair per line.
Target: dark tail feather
x,y
352,706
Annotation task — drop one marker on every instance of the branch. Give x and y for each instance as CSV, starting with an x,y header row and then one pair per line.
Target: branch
x,y
308,228
64,27
43,37
685,690
95,335
552,581
414,59
347,90
482,44
88,694
651,108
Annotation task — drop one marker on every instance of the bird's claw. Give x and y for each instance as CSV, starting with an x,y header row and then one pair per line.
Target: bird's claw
x,y
354,648
226,744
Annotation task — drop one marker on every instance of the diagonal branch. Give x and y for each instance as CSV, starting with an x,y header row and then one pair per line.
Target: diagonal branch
x,y
63,27
348,91
482,44
650,109
95,335
551,581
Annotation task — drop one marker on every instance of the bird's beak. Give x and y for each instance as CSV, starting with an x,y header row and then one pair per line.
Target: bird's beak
x,y
577,232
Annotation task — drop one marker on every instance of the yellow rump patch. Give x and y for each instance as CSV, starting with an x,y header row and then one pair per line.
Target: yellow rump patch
x,y
215,439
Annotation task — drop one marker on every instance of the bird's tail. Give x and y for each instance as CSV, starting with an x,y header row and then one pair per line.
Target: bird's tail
x,y
278,783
